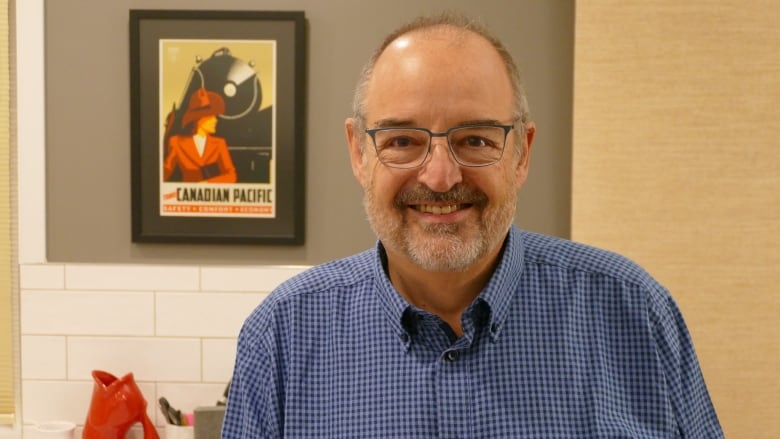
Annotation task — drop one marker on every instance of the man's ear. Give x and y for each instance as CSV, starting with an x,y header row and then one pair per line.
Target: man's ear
x,y
355,149
521,172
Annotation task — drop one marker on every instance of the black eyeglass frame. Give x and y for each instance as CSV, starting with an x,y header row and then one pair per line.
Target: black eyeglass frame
x,y
446,134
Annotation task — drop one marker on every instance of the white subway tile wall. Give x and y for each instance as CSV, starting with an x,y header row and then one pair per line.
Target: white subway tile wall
x,y
173,327
37,347
42,276
211,314
77,312
215,350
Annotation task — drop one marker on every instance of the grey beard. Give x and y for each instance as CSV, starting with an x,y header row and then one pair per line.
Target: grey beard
x,y
441,248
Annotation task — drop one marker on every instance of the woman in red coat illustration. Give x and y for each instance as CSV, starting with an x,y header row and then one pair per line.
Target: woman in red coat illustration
x,y
201,156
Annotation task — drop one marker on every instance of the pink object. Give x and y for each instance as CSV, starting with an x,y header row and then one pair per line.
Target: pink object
x,y
190,417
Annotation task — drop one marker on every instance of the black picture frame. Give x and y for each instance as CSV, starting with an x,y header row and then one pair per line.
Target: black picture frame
x,y
260,117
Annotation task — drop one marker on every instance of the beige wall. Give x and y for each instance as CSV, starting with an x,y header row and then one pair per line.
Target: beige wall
x,y
676,164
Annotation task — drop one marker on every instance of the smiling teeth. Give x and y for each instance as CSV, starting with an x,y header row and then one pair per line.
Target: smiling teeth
x,y
437,210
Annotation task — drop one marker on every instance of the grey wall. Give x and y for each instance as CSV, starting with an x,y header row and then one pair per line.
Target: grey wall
x,y
88,123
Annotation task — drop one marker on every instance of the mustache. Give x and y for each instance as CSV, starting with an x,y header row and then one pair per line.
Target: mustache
x,y
459,194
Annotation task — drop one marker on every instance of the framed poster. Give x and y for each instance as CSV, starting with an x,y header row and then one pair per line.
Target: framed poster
x,y
217,126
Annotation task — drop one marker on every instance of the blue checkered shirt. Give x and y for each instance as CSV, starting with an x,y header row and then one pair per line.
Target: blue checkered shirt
x,y
565,341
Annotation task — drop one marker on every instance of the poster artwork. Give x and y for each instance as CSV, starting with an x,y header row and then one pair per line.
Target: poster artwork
x,y
218,140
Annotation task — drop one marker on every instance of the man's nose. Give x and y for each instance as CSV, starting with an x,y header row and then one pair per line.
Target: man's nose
x,y
440,172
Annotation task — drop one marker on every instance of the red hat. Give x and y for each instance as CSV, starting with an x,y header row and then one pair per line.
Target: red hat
x,y
203,103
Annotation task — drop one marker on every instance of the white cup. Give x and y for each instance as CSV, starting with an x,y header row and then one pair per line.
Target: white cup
x,y
54,430
179,431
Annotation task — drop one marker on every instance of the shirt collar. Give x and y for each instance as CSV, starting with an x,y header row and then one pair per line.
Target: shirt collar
x,y
497,294
504,283
393,305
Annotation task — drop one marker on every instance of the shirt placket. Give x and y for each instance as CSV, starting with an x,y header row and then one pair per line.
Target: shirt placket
x,y
452,380
454,399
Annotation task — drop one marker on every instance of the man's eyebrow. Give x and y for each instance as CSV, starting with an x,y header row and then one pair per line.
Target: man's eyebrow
x,y
408,123
480,122
393,123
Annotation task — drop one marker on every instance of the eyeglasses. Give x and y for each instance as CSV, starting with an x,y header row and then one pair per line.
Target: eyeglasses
x,y
470,145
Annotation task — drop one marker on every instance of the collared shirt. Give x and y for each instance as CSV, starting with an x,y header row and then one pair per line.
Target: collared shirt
x,y
565,341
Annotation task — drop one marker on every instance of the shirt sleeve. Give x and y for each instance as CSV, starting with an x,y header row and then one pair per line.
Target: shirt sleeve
x,y
690,399
253,408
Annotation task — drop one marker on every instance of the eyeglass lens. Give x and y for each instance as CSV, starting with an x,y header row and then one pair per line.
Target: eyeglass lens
x,y
408,147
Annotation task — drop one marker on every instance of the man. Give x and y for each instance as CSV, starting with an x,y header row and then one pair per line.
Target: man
x,y
458,324
201,157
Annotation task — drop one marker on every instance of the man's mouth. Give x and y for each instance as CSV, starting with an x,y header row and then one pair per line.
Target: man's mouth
x,y
438,210
423,200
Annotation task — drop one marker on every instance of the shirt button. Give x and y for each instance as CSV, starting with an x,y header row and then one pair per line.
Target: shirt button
x,y
405,337
451,356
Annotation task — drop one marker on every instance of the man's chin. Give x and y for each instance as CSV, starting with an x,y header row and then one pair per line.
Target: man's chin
x,y
449,262
447,231
443,251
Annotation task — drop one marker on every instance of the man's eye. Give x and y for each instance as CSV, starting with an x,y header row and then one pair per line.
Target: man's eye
x,y
476,141
399,142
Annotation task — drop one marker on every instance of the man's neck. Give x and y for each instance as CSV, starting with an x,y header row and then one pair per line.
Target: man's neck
x,y
446,294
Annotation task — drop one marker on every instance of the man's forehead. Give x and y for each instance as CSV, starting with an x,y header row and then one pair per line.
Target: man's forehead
x,y
443,47
447,53
440,35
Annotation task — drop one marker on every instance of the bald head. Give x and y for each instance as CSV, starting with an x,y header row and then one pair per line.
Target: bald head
x,y
452,29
